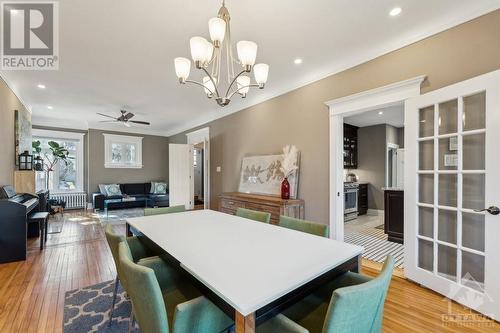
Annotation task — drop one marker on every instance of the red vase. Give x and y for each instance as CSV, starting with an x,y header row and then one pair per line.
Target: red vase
x,y
285,189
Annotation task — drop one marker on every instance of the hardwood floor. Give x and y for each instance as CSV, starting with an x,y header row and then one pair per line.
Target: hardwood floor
x,y
32,292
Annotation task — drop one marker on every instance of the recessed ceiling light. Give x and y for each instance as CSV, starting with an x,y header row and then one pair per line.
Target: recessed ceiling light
x,y
380,113
41,86
50,107
297,61
395,11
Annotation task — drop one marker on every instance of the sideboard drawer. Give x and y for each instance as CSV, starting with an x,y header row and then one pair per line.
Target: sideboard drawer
x,y
232,204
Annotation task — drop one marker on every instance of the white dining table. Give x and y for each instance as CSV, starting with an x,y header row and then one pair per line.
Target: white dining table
x,y
249,267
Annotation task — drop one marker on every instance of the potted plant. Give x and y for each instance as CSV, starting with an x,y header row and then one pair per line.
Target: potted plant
x,y
57,153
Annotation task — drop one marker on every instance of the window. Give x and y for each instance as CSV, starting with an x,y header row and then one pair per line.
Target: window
x,y
121,151
64,177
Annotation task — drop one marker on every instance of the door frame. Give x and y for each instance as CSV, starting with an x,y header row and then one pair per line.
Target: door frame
x,y
339,108
194,137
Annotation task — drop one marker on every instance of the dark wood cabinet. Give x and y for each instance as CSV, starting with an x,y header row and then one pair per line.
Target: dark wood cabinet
x,y
350,146
394,215
363,199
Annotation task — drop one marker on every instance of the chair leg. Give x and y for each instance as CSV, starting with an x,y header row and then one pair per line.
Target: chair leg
x,y
117,281
41,232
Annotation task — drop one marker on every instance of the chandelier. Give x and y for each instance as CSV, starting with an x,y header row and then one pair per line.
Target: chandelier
x,y
208,57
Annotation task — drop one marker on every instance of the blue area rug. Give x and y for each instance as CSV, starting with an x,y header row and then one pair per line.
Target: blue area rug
x,y
87,310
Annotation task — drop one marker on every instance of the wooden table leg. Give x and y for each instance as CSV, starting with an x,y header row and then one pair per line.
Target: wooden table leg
x,y
245,324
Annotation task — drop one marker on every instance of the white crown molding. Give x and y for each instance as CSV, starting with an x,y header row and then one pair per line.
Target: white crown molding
x,y
377,98
265,95
10,86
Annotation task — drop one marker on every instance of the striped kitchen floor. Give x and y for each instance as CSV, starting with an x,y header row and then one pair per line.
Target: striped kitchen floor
x,y
375,242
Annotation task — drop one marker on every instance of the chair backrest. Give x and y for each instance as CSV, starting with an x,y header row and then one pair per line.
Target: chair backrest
x,y
304,226
113,241
145,293
359,308
253,215
164,210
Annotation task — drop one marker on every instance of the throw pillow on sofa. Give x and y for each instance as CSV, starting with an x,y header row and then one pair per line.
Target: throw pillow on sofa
x,y
158,188
113,189
102,189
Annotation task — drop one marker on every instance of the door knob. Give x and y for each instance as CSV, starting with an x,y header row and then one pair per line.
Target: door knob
x,y
493,210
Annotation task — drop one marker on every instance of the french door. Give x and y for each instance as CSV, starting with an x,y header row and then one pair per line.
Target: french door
x,y
452,173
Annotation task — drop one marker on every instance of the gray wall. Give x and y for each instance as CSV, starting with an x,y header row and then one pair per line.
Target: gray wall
x,y
300,117
154,159
371,162
8,103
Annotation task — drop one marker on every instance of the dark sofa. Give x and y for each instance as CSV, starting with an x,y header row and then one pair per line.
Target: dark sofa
x,y
134,190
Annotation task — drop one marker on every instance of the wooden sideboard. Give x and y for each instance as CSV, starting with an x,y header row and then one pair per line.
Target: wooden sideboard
x,y
229,202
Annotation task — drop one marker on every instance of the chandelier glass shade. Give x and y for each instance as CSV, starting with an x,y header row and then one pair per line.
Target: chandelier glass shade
x,y
210,56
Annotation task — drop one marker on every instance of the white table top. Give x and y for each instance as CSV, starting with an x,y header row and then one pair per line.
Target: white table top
x,y
248,264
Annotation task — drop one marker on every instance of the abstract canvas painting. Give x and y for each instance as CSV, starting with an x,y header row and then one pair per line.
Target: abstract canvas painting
x,y
263,175
22,132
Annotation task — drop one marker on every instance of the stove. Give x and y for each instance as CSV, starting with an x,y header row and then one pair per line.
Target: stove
x,y
350,201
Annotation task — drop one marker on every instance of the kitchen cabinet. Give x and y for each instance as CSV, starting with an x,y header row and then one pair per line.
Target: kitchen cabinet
x,y
350,147
394,215
362,198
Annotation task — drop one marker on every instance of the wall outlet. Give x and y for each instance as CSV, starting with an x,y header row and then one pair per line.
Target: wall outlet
x,y
218,169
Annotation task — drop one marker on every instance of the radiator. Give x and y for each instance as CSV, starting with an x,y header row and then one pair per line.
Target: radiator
x,y
74,200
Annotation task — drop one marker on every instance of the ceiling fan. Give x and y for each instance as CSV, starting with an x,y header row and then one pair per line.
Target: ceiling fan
x,y
123,118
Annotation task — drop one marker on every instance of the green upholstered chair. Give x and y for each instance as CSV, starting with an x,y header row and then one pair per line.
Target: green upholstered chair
x,y
138,252
164,210
253,215
304,226
356,304
162,303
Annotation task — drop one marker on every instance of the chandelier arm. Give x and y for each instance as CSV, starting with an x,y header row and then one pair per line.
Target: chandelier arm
x,y
213,82
214,55
233,81
199,84
249,86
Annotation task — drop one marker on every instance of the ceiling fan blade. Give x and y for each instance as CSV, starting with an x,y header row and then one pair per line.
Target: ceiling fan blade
x,y
139,122
105,115
108,121
128,116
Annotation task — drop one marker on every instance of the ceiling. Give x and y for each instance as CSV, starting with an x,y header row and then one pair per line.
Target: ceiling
x,y
391,115
119,54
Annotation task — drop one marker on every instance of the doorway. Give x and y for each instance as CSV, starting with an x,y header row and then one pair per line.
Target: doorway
x,y
198,176
369,103
199,140
375,146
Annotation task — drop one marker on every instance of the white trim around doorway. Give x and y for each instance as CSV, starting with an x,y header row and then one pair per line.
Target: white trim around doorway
x,y
348,106
194,137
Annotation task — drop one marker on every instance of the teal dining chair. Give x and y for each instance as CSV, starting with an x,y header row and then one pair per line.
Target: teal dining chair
x,y
253,215
304,226
162,303
138,252
164,210
350,303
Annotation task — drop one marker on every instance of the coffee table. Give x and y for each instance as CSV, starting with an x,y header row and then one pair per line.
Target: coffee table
x,y
125,199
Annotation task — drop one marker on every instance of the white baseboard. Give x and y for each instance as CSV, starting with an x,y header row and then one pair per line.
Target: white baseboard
x,y
375,212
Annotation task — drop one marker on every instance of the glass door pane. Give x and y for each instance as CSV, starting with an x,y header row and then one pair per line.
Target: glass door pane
x,y
451,236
